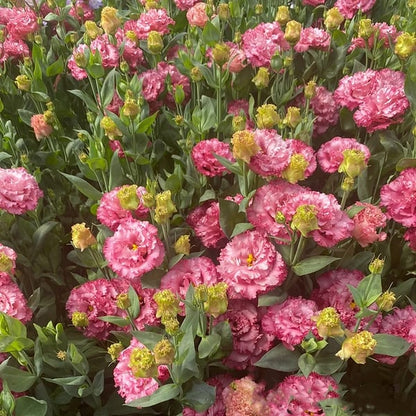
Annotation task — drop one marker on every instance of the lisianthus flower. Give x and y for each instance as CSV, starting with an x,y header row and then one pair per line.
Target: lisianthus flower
x,y
197,15
132,53
7,260
21,22
185,4
325,109
349,8
302,161
300,395
313,38
250,265
19,191
108,52
134,249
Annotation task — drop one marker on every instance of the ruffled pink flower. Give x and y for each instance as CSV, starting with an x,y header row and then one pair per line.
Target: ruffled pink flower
x,y
240,108
153,83
130,387
399,197
82,11
115,104
270,200
250,265
348,8
262,42
237,60
194,271
197,15
132,54
249,340
40,126
110,212
244,397
185,4
300,395
173,78
14,49
108,52
290,321
204,160
410,237
77,72
313,38
134,249
152,20
19,191
12,300
21,22
274,154
366,223
325,109
330,154
313,3
11,254
218,408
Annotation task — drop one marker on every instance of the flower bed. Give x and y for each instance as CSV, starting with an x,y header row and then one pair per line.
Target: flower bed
x,y
207,208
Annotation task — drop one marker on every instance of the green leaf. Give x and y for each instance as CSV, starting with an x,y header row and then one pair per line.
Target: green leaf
x,y
25,116
14,344
280,358
147,338
390,345
98,383
186,367
232,167
56,68
162,394
200,397
78,360
4,156
17,380
109,87
40,235
84,187
327,364
306,364
313,264
223,329
146,123
27,405
241,227
230,216
116,172
405,163
370,289
89,102
116,320
134,308
209,345
67,381
210,35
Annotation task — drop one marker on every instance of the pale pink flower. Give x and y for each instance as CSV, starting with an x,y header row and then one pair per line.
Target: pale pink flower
x,y
110,212
21,22
313,3
399,197
13,49
134,249
185,4
204,160
244,397
19,191
197,15
325,109
299,395
273,156
12,300
11,254
250,265
152,20
262,42
269,201
249,340
130,387
313,38
330,154
290,321
348,8
366,223
41,128
194,271
77,72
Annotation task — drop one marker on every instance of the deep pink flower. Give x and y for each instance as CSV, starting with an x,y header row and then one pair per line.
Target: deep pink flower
x,y
11,255
312,37
12,300
194,271
204,160
249,340
185,4
82,11
153,83
134,249
313,3
269,201
173,78
250,265
366,223
13,49
330,154
21,22
132,53
399,197
108,52
274,154
197,15
348,8
402,323
77,72
325,109
290,321
410,237
262,42
41,128
110,212
115,104
300,395
19,191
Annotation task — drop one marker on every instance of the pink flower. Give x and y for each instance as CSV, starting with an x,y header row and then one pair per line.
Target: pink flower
x,y
19,191
131,387
13,49
185,4
152,20
237,61
204,160
108,52
366,223
250,265
290,321
249,341
262,42
197,15
299,395
410,237
134,249
173,78
244,397
11,255
325,109
312,37
194,271
270,200
240,108
399,197
348,8
330,154
81,11
110,212
77,72
115,104
153,83
21,22
40,126
313,3
274,154
12,300
132,54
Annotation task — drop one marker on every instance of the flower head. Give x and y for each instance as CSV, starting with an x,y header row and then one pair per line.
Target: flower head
x,y
82,236
244,145
357,346
328,323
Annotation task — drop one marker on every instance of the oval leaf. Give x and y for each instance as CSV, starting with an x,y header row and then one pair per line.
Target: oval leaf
x,y
162,394
313,264
390,345
280,358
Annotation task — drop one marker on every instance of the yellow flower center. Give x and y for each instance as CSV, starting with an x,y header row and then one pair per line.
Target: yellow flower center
x,y
250,260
